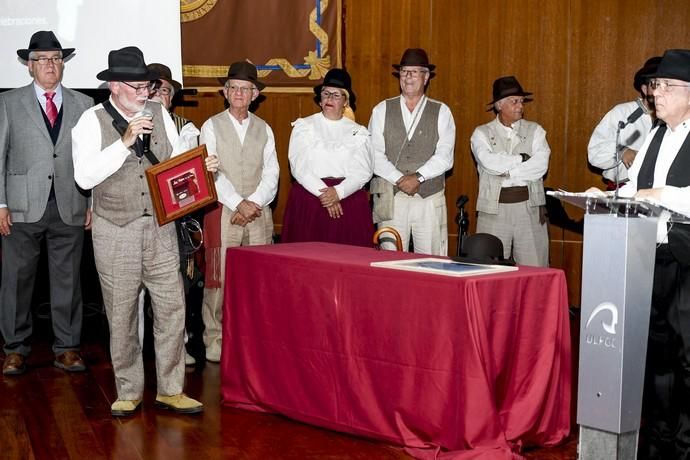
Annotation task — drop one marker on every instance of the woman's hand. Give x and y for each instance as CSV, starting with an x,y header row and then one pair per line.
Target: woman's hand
x,y
329,197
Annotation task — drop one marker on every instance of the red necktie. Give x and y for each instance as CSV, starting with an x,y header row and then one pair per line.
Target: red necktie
x,y
51,109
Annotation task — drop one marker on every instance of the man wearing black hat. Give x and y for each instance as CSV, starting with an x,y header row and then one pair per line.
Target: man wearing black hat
x,y
130,248
39,201
413,137
636,117
512,158
661,172
247,182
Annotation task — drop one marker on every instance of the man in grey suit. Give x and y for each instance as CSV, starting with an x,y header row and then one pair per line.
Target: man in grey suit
x,y
39,201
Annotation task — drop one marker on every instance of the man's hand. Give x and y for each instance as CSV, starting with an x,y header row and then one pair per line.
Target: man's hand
x,y
408,184
238,219
649,194
5,221
628,157
212,163
87,221
335,211
249,210
140,125
328,197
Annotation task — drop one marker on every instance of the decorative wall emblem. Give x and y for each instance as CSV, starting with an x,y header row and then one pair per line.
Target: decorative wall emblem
x,y
191,10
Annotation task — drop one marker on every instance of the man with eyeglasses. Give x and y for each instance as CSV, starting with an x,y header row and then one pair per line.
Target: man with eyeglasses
x,y
413,137
130,248
39,201
636,118
512,158
661,173
247,183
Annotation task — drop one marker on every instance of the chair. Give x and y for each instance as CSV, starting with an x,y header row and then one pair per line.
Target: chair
x,y
482,246
377,237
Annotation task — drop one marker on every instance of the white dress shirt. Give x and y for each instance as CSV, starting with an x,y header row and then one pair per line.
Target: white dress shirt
x,y
498,163
601,150
93,165
675,198
268,185
321,148
442,159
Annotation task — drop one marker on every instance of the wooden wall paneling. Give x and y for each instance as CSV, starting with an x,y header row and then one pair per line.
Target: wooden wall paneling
x,y
578,57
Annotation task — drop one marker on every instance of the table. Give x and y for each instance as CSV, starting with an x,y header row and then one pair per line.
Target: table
x,y
448,367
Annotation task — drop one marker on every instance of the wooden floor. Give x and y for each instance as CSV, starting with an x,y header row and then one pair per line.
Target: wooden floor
x,y
49,414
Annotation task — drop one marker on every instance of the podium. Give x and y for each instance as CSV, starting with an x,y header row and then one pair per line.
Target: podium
x,y
619,245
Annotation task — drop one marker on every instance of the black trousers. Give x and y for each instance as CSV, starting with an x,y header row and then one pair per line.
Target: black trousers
x,y
666,409
20,252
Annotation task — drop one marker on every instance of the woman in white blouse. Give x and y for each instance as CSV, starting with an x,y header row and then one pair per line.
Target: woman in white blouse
x,y
331,161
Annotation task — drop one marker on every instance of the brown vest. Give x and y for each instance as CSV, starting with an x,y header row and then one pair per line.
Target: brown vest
x,y
241,163
416,151
124,196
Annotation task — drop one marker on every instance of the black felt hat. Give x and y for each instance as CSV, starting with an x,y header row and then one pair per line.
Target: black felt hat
x,y
674,64
642,75
505,87
44,40
127,64
337,78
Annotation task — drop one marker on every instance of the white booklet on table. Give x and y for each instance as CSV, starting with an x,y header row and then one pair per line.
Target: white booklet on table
x,y
445,267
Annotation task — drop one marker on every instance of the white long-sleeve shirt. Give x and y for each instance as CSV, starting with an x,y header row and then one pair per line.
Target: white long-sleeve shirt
x,y
498,163
442,159
268,185
601,151
675,198
321,148
93,165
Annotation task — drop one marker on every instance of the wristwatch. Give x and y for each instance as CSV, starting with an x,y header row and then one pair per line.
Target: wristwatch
x,y
420,178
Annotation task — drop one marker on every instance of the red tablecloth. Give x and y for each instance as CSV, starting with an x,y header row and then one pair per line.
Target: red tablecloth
x,y
448,367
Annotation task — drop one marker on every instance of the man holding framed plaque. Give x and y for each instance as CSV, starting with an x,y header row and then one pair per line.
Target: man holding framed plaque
x,y
246,184
131,249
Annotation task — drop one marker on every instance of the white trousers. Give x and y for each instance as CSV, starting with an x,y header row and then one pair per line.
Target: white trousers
x,y
425,220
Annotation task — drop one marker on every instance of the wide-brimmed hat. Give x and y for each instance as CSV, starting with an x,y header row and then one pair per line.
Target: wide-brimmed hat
x,y
674,64
642,75
337,78
164,73
415,57
505,87
127,64
44,40
243,70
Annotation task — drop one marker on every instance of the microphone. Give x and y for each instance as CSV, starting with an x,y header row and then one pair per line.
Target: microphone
x,y
462,200
145,137
633,117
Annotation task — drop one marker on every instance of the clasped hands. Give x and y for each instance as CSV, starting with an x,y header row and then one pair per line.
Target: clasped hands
x,y
409,184
331,201
247,211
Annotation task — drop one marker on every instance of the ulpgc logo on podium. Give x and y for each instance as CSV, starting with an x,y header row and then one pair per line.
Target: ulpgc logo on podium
x,y
600,329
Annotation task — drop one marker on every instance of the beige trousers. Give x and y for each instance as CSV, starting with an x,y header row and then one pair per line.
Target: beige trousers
x,y
258,232
517,226
141,254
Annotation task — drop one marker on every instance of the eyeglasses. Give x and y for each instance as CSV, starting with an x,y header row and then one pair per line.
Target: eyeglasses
x,y
415,73
335,95
141,88
45,60
244,90
663,85
163,91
